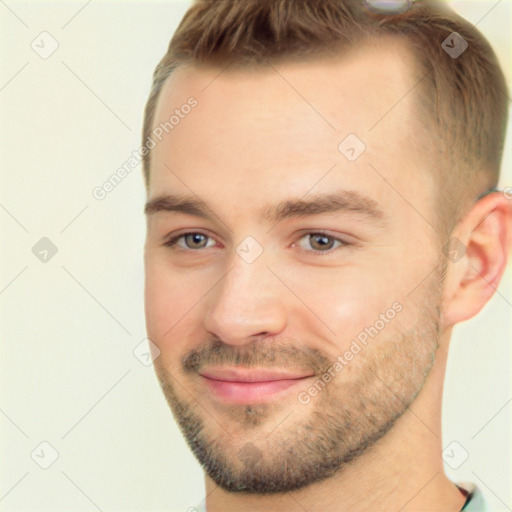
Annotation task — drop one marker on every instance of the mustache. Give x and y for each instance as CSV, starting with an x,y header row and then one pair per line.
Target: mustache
x,y
258,354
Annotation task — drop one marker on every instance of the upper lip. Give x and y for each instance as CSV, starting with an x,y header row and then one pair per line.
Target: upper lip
x,y
239,374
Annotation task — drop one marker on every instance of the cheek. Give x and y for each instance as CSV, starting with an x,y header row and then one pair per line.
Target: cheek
x,y
165,301
342,302
172,302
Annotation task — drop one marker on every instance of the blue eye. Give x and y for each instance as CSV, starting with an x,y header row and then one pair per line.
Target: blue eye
x,y
191,241
315,242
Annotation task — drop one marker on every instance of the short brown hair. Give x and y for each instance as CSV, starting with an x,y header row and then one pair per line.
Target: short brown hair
x,y
465,98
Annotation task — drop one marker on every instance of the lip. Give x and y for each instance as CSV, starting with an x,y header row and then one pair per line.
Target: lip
x,y
238,385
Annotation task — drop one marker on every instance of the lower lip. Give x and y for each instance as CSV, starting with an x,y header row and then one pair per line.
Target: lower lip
x,y
249,392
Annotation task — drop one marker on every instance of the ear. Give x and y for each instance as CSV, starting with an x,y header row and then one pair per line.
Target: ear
x,y
477,256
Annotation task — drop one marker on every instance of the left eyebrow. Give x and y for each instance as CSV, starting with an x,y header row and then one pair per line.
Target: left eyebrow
x,y
344,200
341,201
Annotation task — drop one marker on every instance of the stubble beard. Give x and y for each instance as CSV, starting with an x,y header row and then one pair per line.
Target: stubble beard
x,y
317,440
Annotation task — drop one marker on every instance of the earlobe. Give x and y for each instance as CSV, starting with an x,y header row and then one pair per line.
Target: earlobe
x,y
477,256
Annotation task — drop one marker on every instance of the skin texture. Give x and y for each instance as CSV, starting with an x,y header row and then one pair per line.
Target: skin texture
x,y
371,439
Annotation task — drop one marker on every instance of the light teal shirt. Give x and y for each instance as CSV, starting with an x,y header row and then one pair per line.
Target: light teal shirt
x,y
476,501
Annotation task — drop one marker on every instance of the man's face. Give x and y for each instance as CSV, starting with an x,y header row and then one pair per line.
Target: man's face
x,y
250,312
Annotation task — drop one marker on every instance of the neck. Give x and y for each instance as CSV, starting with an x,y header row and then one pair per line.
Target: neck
x,y
403,471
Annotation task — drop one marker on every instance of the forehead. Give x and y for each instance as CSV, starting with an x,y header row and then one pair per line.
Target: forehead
x,y
276,128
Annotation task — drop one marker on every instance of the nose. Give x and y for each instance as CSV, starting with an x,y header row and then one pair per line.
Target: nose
x,y
246,305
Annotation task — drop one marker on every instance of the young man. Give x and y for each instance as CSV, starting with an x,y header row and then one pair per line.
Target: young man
x,y
321,212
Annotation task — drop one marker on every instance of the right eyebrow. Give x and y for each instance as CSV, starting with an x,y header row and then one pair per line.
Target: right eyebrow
x,y
178,203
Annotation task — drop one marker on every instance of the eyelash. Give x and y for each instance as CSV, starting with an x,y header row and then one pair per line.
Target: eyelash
x,y
173,242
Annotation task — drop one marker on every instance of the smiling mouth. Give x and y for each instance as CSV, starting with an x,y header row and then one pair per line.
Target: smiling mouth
x,y
238,385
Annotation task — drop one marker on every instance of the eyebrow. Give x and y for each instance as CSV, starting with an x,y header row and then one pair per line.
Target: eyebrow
x,y
341,201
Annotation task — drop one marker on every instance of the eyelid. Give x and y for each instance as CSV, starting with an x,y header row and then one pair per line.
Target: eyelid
x,y
342,242
172,240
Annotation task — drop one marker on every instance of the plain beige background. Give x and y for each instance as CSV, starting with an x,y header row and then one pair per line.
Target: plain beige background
x,y
69,326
